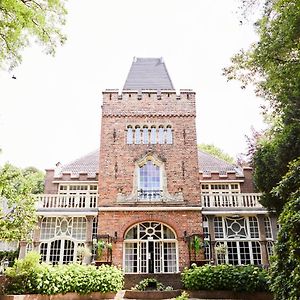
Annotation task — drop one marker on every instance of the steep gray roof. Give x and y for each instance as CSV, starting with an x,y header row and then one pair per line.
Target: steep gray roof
x,y
209,163
148,74
87,164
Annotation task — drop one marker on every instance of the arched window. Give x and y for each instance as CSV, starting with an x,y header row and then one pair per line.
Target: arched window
x,y
60,237
153,135
150,247
137,134
169,135
268,229
161,135
149,181
129,135
145,135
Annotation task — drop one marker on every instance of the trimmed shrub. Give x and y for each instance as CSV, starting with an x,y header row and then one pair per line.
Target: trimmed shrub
x,y
61,279
226,277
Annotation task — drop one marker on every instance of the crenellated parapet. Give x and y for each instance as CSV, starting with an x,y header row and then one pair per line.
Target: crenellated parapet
x,y
148,102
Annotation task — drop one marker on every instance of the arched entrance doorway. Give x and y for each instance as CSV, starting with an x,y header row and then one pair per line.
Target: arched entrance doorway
x,y
150,247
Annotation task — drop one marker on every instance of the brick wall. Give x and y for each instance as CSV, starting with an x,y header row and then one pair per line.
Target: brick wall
x,y
121,221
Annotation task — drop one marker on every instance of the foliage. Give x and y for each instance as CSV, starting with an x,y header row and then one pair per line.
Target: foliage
x,y
17,202
25,20
28,276
225,277
271,154
151,283
183,296
9,255
217,152
197,244
285,267
272,65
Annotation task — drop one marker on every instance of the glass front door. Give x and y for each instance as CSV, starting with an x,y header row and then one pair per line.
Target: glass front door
x,y
150,247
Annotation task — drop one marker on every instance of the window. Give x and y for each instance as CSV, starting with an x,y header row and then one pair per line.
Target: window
x,y
150,247
145,135
240,237
169,135
161,135
129,135
137,135
59,237
153,135
149,181
218,226
268,229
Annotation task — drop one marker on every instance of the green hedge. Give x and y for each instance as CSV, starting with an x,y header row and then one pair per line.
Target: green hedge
x,y
28,276
226,277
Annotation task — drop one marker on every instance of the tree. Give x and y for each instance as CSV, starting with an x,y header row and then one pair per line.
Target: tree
x,y
217,152
285,267
22,21
17,202
272,65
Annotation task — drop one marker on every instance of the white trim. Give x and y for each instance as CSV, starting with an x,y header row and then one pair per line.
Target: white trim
x,y
67,213
235,212
220,182
150,208
85,182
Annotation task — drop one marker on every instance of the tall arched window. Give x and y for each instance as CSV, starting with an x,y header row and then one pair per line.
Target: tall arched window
x,y
169,135
153,135
161,135
149,181
129,135
145,135
137,134
150,247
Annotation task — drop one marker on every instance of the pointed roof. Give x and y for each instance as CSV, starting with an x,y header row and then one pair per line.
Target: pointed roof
x,y
88,164
209,163
148,74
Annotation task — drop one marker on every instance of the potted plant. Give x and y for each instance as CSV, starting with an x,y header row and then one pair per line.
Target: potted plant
x,y
100,247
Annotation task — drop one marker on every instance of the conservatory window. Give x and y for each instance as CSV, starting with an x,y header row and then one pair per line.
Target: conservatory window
x,y
253,226
268,229
218,226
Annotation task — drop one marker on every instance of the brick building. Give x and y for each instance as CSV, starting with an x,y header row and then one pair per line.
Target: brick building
x,y
149,196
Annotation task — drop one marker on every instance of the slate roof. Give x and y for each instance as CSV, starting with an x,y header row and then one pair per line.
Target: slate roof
x,y
87,164
90,164
209,163
148,74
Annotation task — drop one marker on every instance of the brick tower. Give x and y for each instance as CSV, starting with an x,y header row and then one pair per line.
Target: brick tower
x,y
149,191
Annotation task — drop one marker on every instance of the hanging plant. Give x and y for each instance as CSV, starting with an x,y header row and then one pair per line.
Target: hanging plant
x,y
197,244
100,247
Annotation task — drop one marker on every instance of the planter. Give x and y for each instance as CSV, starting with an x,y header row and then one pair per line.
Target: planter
x,y
130,294
230,295
67,296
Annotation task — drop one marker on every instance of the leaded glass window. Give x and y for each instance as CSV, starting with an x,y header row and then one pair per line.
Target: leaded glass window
x,y
149,181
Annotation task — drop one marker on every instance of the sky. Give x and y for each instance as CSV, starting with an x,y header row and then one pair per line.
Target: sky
x,y
51,112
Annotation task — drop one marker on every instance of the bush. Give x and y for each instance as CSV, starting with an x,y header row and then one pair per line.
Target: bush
x,y
226,277
61,279
151,284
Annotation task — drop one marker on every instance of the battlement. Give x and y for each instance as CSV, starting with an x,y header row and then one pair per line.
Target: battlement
x,y
149,102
